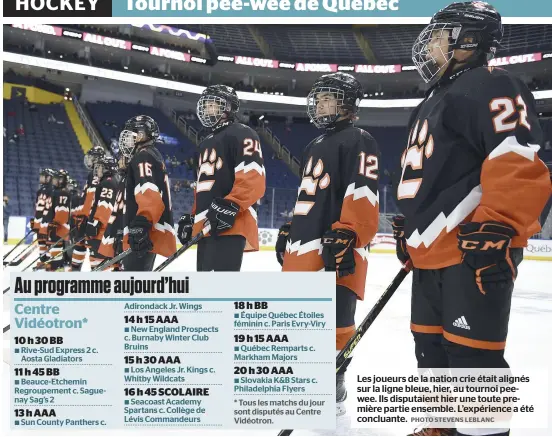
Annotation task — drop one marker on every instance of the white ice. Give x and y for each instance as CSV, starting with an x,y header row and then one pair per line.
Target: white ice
x,y
388,343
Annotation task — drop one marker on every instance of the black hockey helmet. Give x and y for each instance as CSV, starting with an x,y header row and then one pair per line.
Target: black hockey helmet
x,y
59,180
72,184
92,156
214,102
344,88
473,26
46,175
106,166
141,130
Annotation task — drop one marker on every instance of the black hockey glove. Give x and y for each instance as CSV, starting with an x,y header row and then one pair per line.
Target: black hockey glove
x,y
81,225
52,232
398,235
185,227
338,251
281,242
31,226
222,215
92,229
138,236
118,243
485,250
45,257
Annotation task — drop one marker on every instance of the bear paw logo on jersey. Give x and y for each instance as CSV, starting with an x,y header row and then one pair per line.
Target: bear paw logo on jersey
x,y
309,185
208,164
419,145
265,237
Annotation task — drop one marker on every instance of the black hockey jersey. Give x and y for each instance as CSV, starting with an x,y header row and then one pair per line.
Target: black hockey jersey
x,y
471,155
115,222
148,193
339,189
231,166
47,211
41,195
103,204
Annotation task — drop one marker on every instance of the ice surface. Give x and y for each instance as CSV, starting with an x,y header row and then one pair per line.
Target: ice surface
x,y
388,343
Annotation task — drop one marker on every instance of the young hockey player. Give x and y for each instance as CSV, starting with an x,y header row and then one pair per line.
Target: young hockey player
x,y
336,213
55,221
148,221
102,207
471,190
82,213
75,200
231,179
112,241
43,193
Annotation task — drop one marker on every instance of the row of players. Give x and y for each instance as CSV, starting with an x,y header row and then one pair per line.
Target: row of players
x,y
471,191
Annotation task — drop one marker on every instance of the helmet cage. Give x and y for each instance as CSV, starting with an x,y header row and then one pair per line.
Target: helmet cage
x,y
127,143
424,60
204,112
324,121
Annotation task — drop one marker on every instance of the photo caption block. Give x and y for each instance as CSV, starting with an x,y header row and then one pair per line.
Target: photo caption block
x,y
196,350
445,398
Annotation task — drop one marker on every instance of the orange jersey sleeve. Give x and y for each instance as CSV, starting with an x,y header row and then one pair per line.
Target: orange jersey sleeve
x,y
515,183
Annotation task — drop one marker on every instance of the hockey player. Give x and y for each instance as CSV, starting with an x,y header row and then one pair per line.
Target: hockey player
x,y
112,241
55,218
75,200
231,179
43,193
102,207
148,221
82,213
58,227
336,213
471,190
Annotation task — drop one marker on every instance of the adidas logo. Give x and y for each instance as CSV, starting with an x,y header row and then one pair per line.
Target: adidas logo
x,y
461,322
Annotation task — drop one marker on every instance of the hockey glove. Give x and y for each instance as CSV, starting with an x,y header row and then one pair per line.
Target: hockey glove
x,y
222,215
485,251
398,235
52,234
45,257
32,225
81,224
92,229
138,236
281,242
338,251
185,227
118,243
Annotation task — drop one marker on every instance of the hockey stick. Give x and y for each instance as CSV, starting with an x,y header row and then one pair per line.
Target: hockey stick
x,y
62,252
366,323
17,245
21,256
35,260
185,247
123,255
104,265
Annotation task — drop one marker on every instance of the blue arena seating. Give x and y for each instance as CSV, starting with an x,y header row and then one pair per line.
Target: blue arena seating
x,y
43,145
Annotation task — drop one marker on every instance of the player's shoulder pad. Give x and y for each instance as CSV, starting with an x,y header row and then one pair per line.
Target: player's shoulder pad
x,y
487,82
357,136
241,131
149,154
